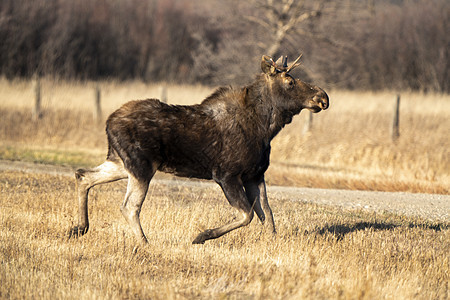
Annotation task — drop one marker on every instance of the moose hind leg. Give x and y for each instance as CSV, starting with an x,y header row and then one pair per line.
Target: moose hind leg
x,y
131,207
87,178
236,196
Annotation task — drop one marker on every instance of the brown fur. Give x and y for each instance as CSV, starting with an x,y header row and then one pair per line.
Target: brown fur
x,y
225,138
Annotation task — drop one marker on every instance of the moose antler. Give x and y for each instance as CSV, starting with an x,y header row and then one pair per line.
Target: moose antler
x,y
294,65
283,60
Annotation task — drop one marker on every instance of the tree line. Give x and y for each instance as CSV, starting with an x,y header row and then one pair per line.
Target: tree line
x,y
353,44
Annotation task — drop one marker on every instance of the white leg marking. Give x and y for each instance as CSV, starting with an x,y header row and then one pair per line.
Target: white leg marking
x,y
131,207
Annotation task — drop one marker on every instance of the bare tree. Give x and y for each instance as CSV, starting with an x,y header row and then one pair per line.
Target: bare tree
x,y
281,19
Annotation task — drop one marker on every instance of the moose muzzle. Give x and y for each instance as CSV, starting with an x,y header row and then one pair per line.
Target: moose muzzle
x,y
322,100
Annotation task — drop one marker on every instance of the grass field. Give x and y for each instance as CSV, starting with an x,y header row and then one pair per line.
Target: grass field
x,y
319,253
349,146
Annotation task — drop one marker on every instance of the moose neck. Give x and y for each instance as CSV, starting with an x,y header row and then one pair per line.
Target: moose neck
x,y
281,115
270,108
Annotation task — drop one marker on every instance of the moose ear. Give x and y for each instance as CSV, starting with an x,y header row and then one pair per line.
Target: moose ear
x,y
268,66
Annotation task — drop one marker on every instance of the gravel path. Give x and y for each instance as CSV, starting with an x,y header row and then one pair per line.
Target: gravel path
x,y
432,207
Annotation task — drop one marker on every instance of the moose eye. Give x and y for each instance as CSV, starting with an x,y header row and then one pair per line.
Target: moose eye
x,y
291,83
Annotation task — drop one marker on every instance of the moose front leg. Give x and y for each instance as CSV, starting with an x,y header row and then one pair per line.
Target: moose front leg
x,y
265,205
234,192
257,194
254,196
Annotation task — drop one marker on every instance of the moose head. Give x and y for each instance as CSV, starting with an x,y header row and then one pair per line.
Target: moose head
x,y
292,93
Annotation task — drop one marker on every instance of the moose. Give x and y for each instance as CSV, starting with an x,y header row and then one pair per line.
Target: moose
x,y
225,138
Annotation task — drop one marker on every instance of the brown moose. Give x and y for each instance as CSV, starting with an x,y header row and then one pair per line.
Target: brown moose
x,y
226,138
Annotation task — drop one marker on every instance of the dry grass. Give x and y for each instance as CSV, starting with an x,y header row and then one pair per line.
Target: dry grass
x,y
349,146
319,252
75,95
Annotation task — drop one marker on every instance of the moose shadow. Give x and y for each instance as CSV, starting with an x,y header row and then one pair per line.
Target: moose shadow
x,y
341,230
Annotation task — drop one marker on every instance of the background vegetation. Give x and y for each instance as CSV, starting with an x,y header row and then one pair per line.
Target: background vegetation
x,y
352,44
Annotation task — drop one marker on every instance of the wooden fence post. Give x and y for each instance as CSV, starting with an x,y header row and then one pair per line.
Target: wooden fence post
x,y
98,105
309,123
36,111
163,94
395,133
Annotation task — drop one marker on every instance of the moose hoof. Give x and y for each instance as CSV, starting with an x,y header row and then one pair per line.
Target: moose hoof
x,y
202,237
77,231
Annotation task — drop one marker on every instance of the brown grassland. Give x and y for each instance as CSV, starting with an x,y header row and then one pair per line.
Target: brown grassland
x,y
349,146
319,252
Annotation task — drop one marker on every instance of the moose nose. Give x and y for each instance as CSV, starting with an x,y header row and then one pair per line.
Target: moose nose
x,y
322,100
325,101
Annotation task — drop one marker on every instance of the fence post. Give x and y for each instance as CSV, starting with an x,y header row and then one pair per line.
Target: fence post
x,y
395,133
163,94
36,111
98,106
309,123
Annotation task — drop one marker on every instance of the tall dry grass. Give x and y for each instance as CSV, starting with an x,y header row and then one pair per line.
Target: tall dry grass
x,y
349,146
79,95
319,252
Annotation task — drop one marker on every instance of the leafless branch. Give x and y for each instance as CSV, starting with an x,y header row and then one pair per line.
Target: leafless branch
x,y
259,22
282,18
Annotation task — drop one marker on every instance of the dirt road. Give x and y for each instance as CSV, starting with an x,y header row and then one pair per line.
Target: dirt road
x,y
432,207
